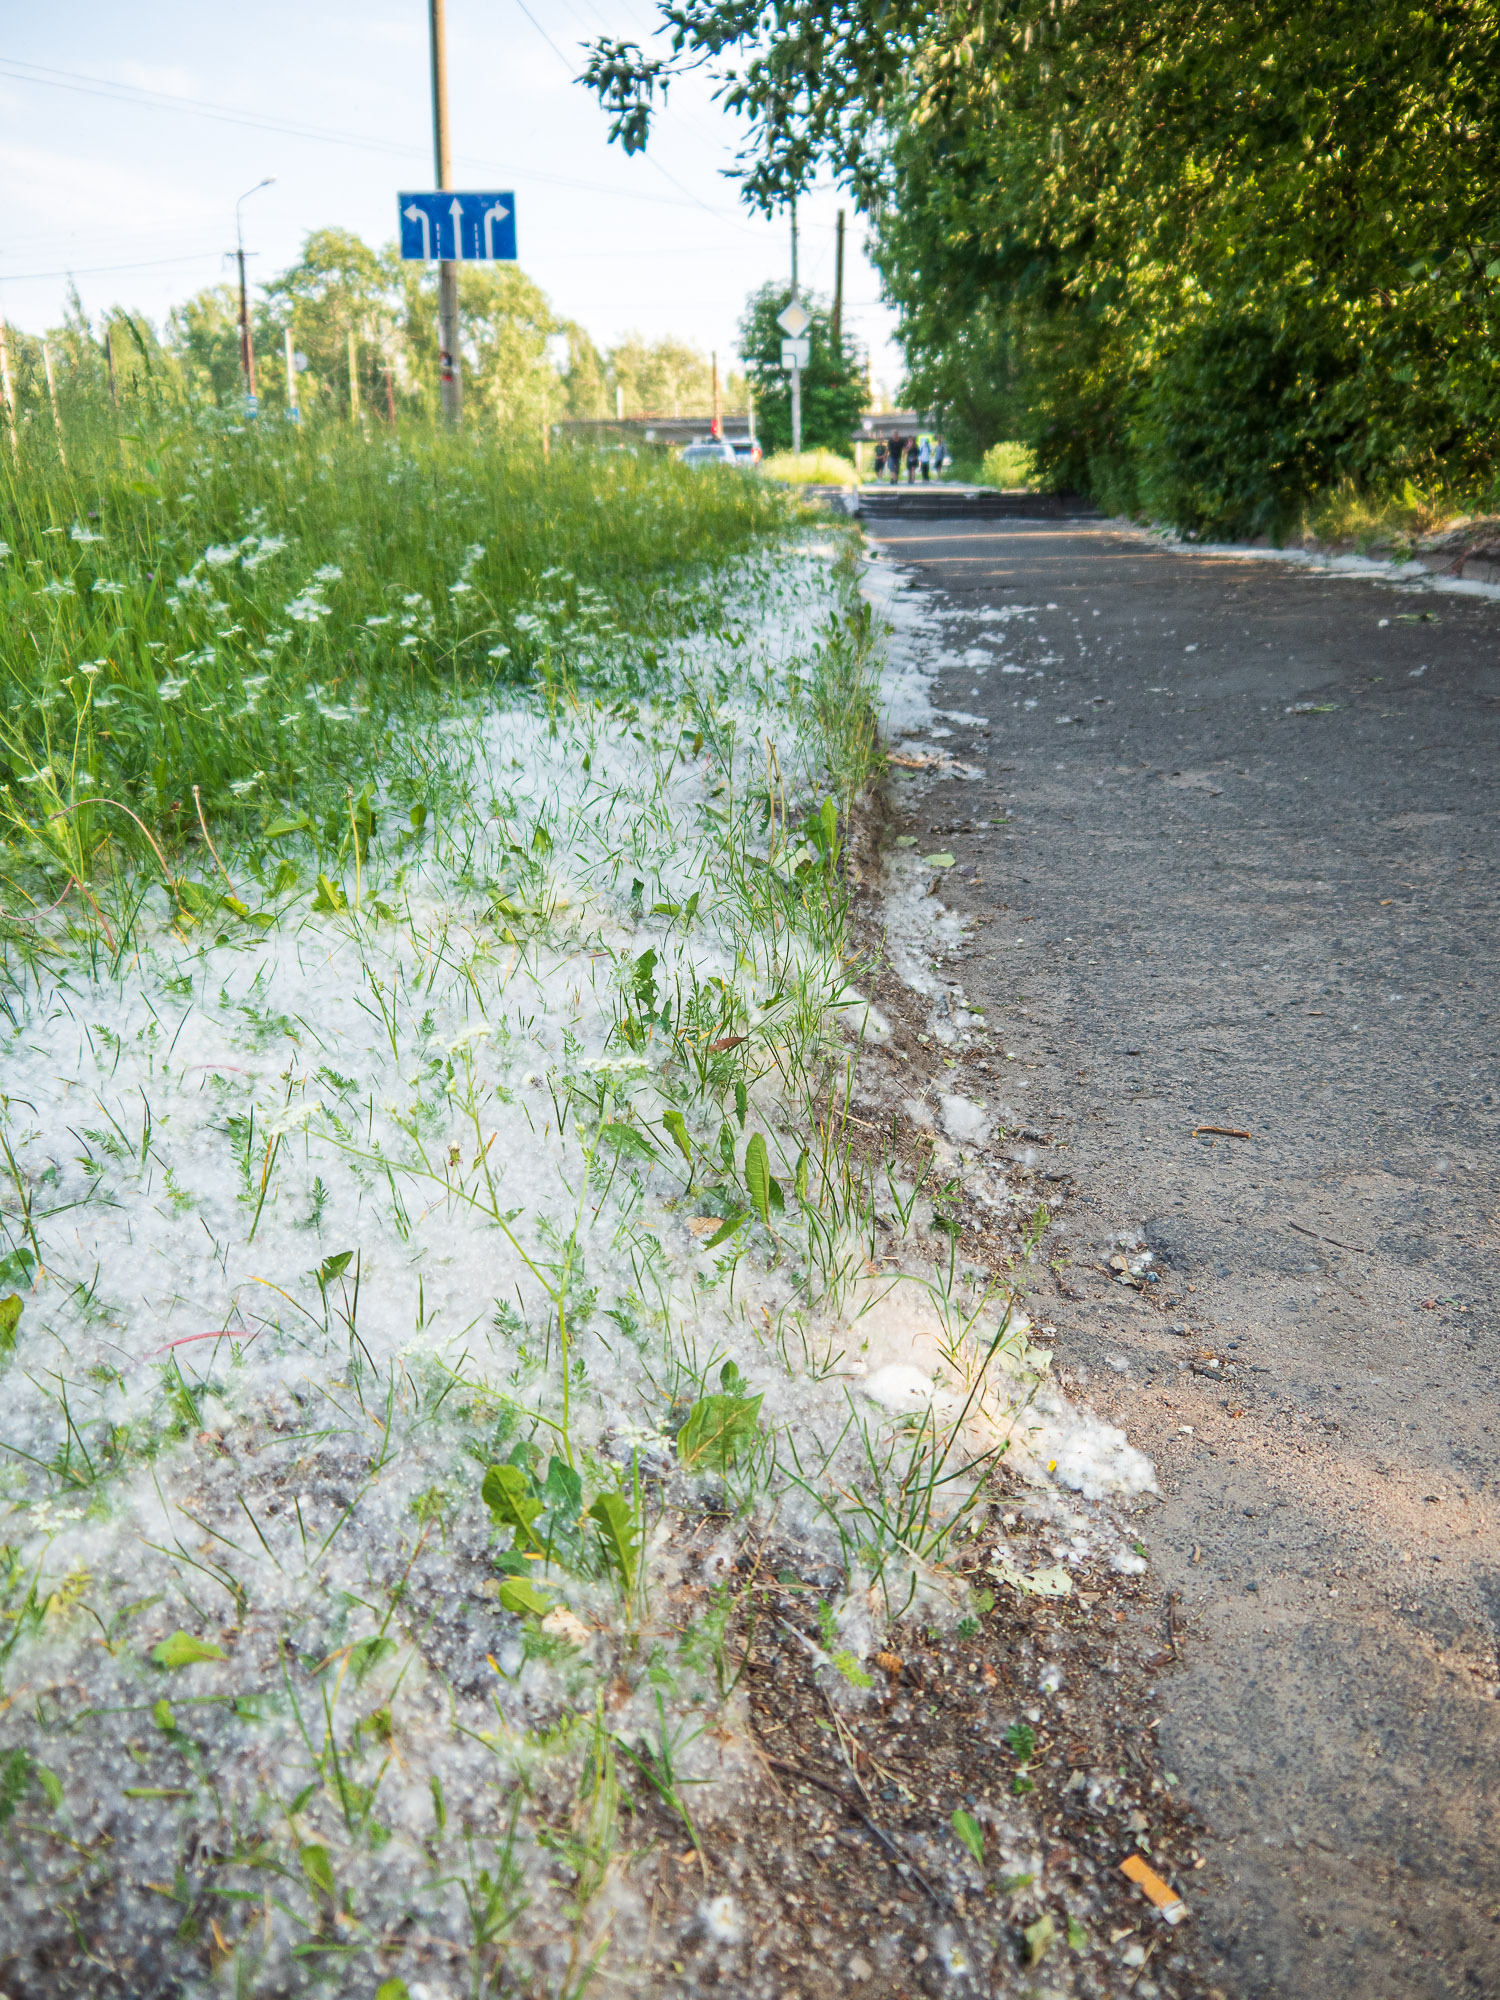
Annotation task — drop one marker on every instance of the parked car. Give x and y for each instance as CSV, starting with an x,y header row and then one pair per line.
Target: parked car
x,y
713,451
747,451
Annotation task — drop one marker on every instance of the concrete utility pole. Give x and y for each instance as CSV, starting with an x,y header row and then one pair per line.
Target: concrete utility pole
x,y
449,361
838,286
293,406
796,368
718,424
247,348
7,394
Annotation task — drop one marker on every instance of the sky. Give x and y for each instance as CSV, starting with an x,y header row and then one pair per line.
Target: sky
x,y
107,175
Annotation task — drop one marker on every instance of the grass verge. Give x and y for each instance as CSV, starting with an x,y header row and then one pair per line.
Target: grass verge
x,y
434,1238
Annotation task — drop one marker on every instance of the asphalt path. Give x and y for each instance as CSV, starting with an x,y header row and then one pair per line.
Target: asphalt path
x,y
1232,862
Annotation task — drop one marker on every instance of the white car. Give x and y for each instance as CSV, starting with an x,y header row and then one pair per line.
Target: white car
x,y
713,451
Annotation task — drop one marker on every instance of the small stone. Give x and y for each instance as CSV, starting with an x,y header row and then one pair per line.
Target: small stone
x,y
860,1967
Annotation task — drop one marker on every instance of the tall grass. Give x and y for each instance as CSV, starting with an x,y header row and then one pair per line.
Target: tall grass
x,y
209,626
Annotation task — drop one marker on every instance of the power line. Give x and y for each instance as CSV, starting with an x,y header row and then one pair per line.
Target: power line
x,y
197,107
93,270
650,159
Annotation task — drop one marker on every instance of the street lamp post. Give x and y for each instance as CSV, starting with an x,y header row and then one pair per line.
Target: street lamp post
x,y
247,347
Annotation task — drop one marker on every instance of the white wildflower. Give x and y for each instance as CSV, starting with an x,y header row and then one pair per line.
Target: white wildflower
x,y
414,599
104,588
58,587
307,609
42,777
469,1037
458,589
411,639
383,619
170,689
4,550
329,573
218,557
268,546
499,652
80,533
240,786
91,667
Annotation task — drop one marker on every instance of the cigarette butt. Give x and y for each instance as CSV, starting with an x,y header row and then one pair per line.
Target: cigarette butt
x,y
1166,1899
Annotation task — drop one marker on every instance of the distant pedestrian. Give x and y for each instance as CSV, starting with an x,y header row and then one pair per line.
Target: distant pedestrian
x,y
912,455
880,459
924,458
893,459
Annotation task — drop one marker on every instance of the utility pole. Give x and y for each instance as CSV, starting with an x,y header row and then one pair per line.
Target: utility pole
x,y
449,360
796,367
247,349
7,394
838,290
293,406
718,424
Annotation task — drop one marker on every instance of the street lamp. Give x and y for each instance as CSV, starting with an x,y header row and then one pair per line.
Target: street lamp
x,y
247,350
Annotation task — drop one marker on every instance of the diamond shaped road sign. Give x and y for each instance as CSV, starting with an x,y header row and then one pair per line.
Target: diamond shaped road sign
x,y
795,320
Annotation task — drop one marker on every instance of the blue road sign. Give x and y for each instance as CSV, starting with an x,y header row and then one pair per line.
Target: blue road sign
x,y
461,228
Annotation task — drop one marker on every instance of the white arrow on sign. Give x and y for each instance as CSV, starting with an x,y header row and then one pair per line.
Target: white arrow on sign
x,y
415,214
491,216
456,210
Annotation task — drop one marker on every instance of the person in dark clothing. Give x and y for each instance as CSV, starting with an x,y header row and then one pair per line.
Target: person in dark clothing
x,y
912,455
894,461
880,458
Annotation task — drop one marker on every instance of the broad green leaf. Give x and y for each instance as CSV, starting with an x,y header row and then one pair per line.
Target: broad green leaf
x,y
829,819
971,1833
1078,1937
334,1267
758,1176
626,1139
16,1269
393,1989
726,1229
10,1319
677,1132
317,1866
278,829
50,1783
330,896
717,1429
516,1594
183,1650
614,1517
563,1492
367,1655
162,1716
741,1103
937,860
507,1494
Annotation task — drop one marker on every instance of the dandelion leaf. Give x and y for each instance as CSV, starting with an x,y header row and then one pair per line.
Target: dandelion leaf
x,y
183,1650
717,1429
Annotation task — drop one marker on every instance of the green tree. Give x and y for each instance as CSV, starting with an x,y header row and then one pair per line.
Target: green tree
x,y
1209,261
833,387
204,333
338,286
